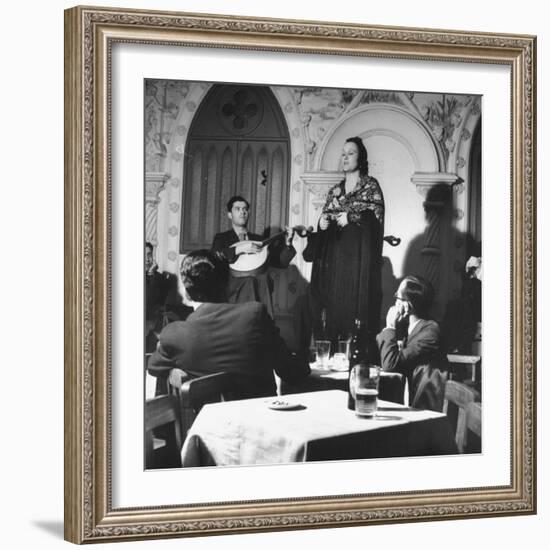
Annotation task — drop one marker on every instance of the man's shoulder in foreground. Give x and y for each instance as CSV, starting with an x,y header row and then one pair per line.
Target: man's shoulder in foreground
x,y
244,309
174,329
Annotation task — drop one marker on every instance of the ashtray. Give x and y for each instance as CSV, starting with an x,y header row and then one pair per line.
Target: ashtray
x,y
283,405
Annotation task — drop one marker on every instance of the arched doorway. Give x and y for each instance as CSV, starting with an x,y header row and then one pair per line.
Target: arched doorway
x,y
238,143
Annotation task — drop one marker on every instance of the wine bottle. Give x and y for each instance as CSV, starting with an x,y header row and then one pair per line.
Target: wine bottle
x,y
357,356
323,333
312,349
373,353
318,332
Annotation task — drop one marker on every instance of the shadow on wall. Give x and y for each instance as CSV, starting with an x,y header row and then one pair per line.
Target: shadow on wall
x,y
427,252
290,291
457,306
287,284
458,303
389,287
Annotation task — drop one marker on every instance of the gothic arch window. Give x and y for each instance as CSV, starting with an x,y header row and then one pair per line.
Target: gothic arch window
x,y
238,144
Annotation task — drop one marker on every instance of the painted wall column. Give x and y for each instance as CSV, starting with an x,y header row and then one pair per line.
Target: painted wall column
x,y
315,190
155,182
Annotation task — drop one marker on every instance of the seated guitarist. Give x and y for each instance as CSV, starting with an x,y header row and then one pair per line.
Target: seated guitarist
x,y
238,240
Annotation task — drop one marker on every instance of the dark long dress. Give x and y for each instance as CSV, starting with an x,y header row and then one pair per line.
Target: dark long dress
x,y
347,261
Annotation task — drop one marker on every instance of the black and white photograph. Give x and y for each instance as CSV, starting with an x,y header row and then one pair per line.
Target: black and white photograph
x,y
313,274
300,292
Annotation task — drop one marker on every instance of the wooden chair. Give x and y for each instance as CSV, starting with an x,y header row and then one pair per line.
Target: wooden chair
x,y
163,410
473,425
464,365
461,396
466,369
476,344
392,387
154,385
197,392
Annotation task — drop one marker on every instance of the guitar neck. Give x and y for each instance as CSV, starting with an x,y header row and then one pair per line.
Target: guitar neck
x,y
272,238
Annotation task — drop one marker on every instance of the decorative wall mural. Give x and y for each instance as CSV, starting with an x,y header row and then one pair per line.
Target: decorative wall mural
x,y
377,96
163,100
319,108
443,113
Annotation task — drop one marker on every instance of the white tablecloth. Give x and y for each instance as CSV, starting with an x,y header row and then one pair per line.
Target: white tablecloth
x,y
322,428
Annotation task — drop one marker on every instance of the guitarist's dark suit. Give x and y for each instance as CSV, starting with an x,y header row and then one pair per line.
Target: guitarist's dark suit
x,y
257,288
279,254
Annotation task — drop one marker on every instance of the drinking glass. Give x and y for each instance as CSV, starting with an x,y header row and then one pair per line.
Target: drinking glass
x,y
363,385
343,347
340,362
322,353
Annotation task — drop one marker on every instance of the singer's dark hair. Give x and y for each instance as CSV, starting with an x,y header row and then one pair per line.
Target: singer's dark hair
x,y
362,160
204,274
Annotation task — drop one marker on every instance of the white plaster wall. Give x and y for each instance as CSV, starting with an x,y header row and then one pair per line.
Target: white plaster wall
x,y
404,215
381,119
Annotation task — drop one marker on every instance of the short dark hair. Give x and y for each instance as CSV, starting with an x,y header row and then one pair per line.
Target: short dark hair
x,y
419,292
234,199
362,160
149,246
204,275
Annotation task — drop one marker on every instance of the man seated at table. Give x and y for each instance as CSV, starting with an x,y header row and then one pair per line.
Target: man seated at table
x,y
419,356
162,300
241,339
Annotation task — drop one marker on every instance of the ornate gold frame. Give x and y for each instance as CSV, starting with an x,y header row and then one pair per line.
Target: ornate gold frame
x,y
89,34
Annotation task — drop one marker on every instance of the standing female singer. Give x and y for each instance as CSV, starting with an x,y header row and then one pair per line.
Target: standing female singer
x,y
346,250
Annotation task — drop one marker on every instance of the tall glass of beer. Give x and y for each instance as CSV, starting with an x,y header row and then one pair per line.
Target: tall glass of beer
x,y
363,381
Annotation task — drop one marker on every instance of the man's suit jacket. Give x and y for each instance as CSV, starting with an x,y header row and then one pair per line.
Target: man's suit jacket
x,y
280,255
238,338
421,360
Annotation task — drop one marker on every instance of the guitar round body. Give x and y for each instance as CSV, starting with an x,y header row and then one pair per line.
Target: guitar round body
x,y
248,265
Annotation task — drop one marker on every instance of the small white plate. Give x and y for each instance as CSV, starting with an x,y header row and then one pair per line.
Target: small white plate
x,y
282,405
